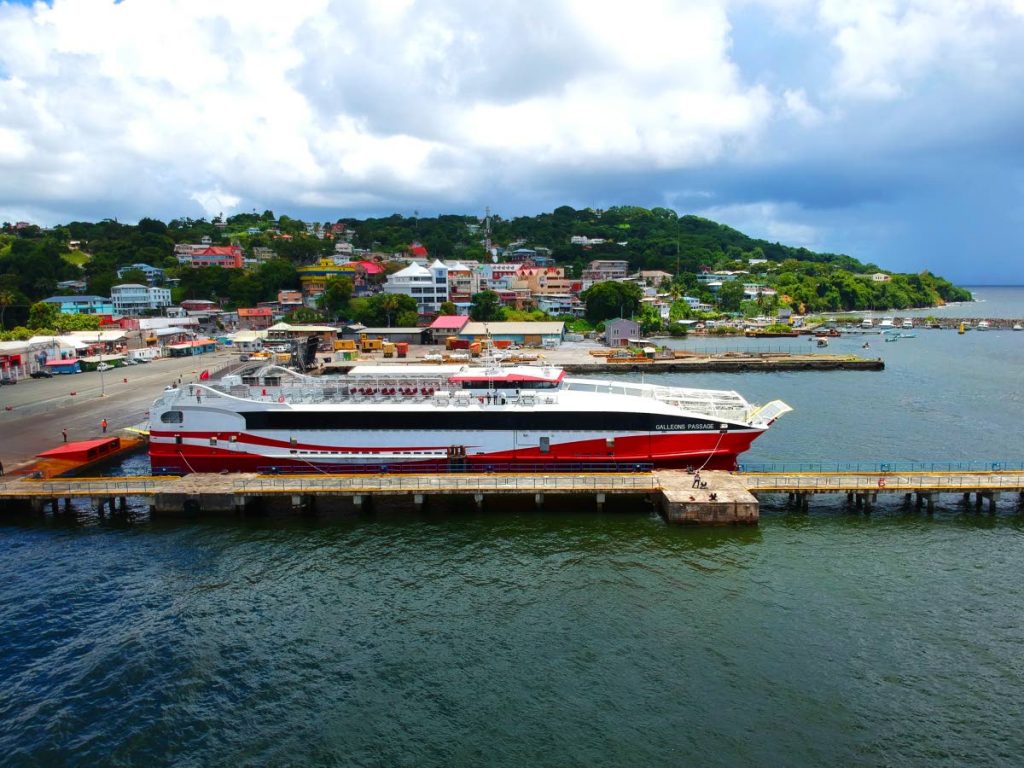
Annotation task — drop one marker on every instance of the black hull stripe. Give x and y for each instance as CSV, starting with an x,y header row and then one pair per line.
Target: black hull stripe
x,y
476,420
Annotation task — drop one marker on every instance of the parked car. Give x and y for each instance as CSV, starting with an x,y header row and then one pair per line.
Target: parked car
x,y
104,367
42,373
8,381
243,358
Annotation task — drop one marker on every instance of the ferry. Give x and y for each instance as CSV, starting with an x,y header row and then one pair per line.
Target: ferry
x,y
442,417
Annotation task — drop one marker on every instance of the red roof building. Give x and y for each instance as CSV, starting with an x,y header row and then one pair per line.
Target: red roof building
x,y
419,250
224,256
199,305
449,323
255,318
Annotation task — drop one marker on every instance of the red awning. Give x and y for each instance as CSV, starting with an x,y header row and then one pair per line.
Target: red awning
x,y
82,450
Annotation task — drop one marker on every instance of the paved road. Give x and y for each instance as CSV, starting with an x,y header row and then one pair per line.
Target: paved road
x,y
40,408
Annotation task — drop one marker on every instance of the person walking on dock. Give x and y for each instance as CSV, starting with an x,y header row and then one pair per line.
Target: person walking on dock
x,y
696,479
103,426
64,434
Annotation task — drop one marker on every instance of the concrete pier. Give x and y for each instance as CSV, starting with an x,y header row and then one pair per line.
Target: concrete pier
x,y
724,501
720,498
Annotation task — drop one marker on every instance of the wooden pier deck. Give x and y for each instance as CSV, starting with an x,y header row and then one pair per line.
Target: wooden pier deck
x,y
724,498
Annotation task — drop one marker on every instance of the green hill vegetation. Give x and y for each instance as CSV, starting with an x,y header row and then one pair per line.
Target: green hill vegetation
x,y
34,260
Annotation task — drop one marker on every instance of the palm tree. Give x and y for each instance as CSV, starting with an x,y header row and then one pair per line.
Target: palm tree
x,y
6,300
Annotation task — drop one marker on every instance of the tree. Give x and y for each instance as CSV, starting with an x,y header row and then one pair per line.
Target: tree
x,y
649,319
730,296
304,315
449,308
336,295
7,298
275,275
134,276
486,307
43,314
611,299
383,309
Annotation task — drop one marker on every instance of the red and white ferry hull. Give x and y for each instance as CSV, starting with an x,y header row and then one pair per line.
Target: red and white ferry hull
x,y
505,419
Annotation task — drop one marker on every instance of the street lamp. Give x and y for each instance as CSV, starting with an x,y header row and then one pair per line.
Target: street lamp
x,y
103,389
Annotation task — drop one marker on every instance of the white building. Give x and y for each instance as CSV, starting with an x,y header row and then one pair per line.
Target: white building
x,y
133,299
153,274
428,286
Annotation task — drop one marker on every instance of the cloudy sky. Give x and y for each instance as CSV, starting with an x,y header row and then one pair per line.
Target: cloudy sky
x,y
893,131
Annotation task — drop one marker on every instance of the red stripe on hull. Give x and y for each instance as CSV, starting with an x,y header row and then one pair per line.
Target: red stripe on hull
x,y
672,450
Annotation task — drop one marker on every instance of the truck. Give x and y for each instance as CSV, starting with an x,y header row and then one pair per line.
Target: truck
x,y
367,344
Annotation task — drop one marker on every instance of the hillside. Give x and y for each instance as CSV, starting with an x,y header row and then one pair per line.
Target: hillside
x,y
34,260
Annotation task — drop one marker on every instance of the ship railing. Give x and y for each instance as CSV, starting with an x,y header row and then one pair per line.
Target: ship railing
x,y
716,403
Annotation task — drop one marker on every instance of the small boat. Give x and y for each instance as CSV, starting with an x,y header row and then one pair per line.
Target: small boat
x,y
908,335
867,323
1018,327
892,337
822,341
866,346
983,325
907,323
887,322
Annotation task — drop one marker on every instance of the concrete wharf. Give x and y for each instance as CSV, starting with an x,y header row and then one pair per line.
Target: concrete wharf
x,y
722,498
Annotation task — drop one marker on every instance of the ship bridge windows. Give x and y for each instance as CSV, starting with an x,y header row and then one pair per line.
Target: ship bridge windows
x,y
172,417
484,384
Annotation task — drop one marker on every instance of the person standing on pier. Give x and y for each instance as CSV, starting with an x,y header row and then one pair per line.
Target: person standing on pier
x,y
696,479
64,434
103,426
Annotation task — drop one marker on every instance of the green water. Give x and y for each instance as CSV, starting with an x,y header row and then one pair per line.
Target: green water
x,y
515,639
555,638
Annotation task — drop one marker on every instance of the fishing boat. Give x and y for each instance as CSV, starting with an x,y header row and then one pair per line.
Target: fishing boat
x,y
432,417
983,325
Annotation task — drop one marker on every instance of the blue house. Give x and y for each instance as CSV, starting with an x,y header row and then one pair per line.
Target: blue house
x,y
82,305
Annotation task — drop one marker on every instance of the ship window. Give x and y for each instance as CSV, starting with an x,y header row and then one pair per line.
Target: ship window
x,y
213,441
172,417
545,444
610,443
177,439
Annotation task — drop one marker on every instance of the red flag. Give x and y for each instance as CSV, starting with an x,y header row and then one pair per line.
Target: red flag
x,y
204,375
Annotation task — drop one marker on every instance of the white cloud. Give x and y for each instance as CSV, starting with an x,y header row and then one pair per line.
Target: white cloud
x,y
887,46
162,102
766,220
801,109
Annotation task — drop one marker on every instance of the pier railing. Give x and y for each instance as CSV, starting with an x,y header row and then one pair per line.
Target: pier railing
x,y
452,483
882,483
875,468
